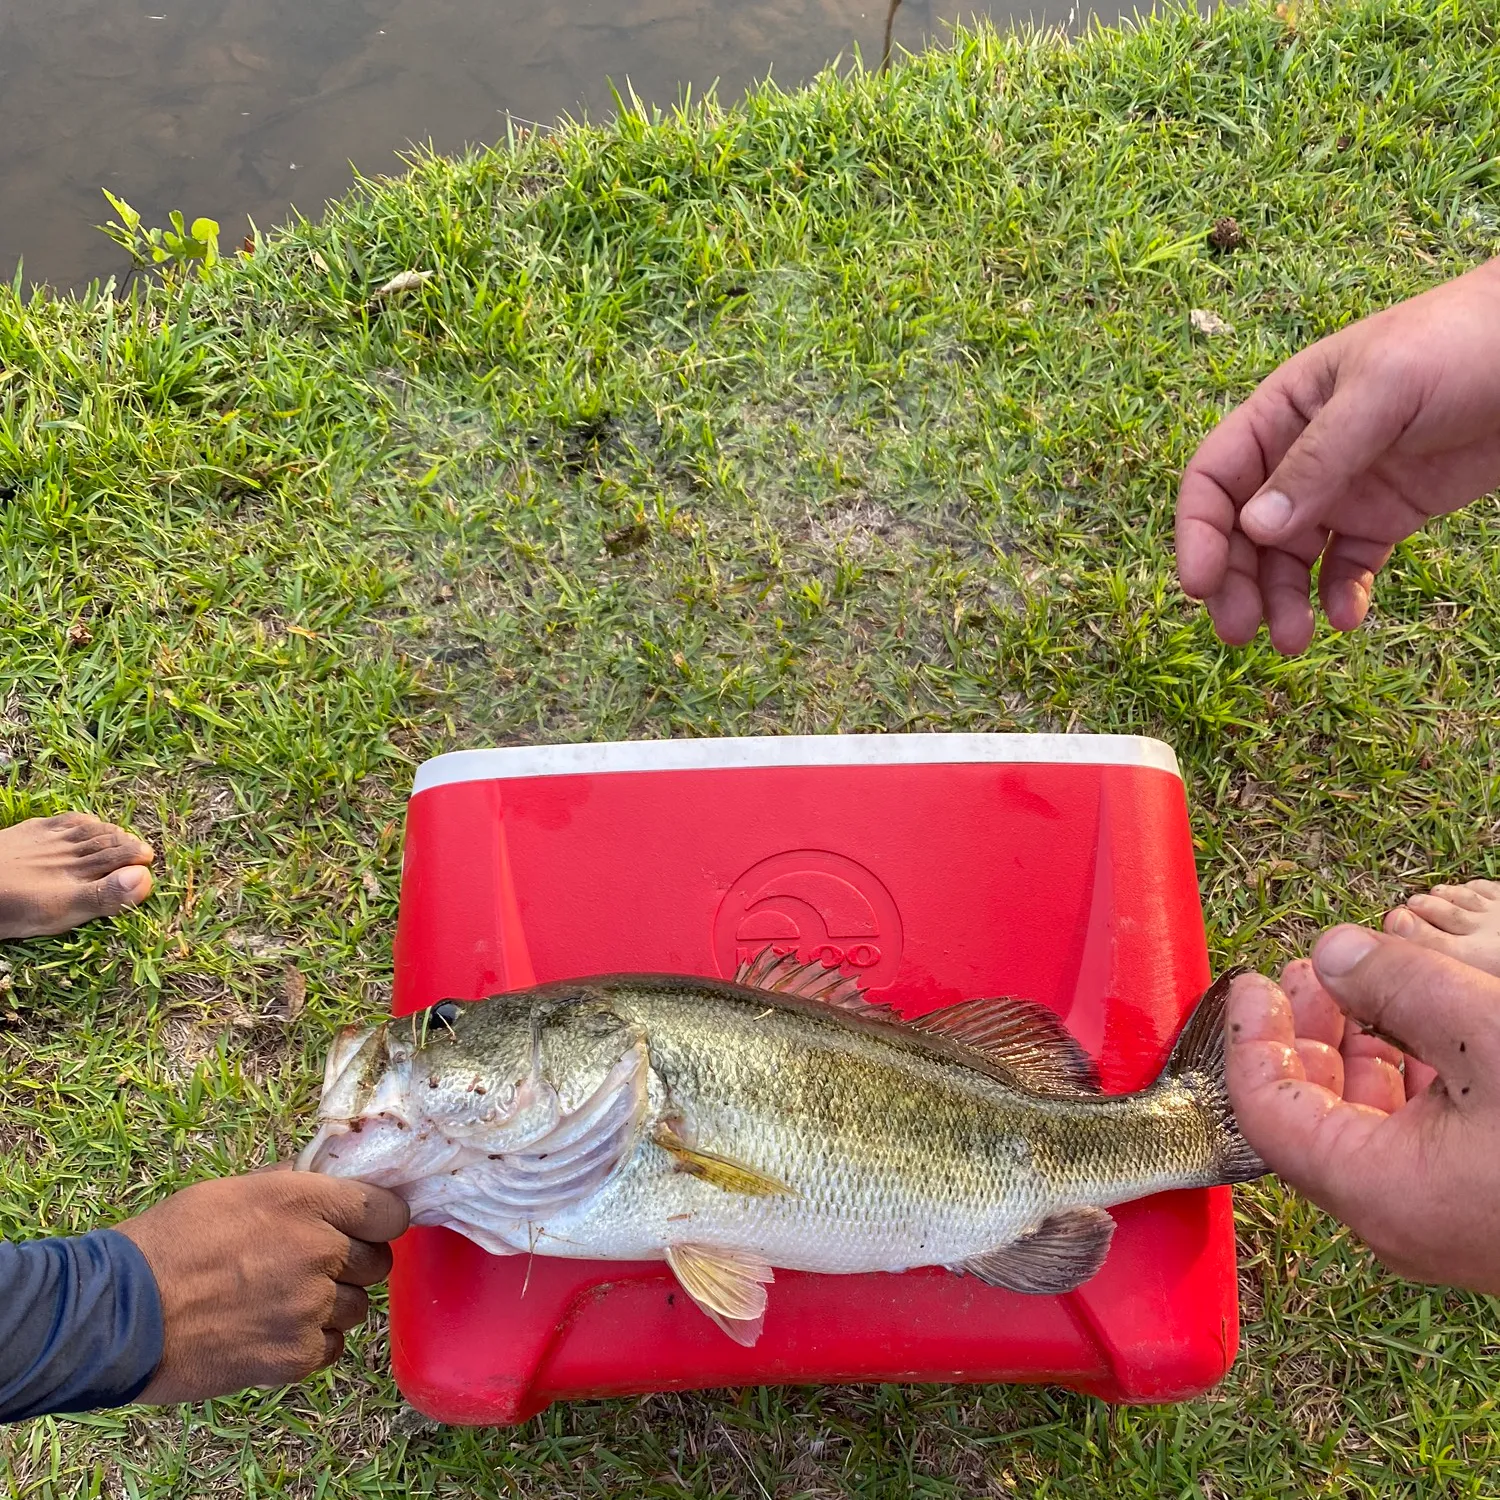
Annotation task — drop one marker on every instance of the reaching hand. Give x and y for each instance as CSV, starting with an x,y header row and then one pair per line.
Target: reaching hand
x,y
1409,1160
1345,450
261,1276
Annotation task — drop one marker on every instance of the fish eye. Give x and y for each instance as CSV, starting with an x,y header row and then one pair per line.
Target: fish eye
x,y
445,1013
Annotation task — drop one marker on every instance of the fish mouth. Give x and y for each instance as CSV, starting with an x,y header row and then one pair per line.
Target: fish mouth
x,y
365,1078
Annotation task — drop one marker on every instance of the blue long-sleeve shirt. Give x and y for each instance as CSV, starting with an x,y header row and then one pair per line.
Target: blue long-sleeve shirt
x,y
80,1325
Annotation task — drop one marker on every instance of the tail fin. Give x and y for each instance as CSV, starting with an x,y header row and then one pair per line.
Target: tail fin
x,y
1198,1061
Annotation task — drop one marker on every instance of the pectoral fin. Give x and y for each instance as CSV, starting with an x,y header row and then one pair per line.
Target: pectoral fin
x,y
722,1171
1062,1252
728,1285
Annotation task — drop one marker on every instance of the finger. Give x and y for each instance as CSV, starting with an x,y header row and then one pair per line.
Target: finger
x,y
1428,1004
1205,519
1322,1065
1315,1012
1232,463
1419,1077
1235,607
1361,1043
1375,1082
350,1307
1286,587
365,1264
1346,579
1303,1132
1345,436
361,1211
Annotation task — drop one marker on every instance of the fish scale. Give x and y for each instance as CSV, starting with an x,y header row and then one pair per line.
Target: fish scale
x,y
735,1128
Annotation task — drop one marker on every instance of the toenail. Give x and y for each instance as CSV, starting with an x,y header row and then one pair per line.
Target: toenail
x,y
132,882
1340,950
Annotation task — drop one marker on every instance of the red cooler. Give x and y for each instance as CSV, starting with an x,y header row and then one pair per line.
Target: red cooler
x,y
937,868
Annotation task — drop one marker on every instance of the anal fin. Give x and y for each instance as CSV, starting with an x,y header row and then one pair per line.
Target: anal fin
x,y
1063,1251
721,1171
728,1285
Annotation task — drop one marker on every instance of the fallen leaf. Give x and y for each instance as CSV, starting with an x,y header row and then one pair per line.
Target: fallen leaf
x,y
79,634
318,261
293,991
626,539
407,281
371,885
1208,323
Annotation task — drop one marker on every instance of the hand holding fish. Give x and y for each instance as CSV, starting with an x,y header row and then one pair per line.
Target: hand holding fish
x,y
780,1121
1398,1139
260,1277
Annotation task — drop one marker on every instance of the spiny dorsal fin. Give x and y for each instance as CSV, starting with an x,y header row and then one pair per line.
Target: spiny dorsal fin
x,y
786,974
728,1285
1062,1252
1024,1038
720,1171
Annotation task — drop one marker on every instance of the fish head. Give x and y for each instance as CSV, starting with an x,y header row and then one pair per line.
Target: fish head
x,y
404,1100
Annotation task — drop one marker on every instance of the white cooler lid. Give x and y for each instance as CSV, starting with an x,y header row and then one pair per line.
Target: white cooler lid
x,y
796,750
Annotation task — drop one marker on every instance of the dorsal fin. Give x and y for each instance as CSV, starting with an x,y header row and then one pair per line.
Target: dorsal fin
x,y
786,974
1024,1038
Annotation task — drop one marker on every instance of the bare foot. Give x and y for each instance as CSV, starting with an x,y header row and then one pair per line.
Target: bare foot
x,y
57,873
1462,921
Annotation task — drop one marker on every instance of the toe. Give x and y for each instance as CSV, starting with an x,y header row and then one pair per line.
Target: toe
x,y
1488,891
77,826
1439,912
127,886
1405,923
109,851
1460,895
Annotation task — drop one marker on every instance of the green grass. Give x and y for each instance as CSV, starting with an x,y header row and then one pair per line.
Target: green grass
x,y
859,408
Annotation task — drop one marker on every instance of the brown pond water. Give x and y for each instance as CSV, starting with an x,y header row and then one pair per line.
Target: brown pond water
x,y
232,108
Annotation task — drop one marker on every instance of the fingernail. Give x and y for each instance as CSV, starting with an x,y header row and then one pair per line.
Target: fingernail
x,y
1340,950
1268,512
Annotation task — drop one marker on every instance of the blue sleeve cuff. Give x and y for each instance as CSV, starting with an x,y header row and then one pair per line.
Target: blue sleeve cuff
x,y
80,1325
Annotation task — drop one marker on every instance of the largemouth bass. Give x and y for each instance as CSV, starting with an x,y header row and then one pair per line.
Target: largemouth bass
x,y
779,1120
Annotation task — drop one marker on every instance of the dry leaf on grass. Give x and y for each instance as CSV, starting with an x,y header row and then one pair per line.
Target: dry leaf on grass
x,y
293,991
1209,323
407,281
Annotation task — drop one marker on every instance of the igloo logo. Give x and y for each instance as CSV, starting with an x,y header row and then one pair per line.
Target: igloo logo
x,y
822,904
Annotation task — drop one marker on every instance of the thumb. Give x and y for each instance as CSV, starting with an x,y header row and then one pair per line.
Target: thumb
x,y
1346,436
1431,1006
